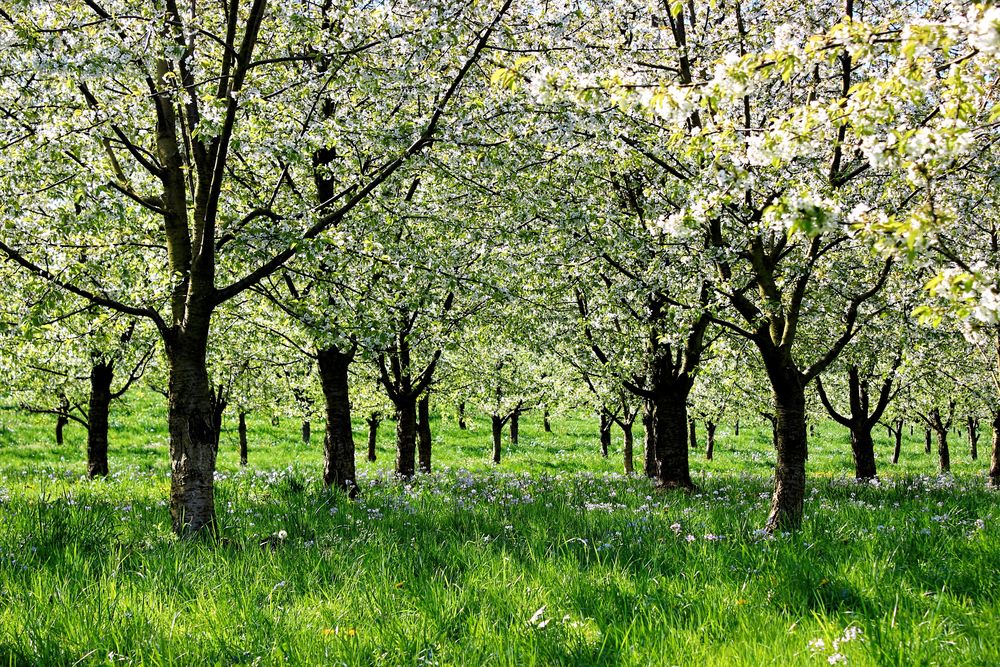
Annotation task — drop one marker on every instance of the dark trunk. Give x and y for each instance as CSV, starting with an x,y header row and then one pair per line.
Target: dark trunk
x,y
790,442
670,423
737,433
338,441
101,375
911,429
944,458
927,441
306,431
973,437
863,448
649,466
406,436
61,422
545,421
424,432
605,432
515,426
628,443
219,404
242,429
461,416
710,435
191,422
497,436
898,435
373,422
692,434
994,473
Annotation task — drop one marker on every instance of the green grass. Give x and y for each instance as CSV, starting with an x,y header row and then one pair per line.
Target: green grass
x,y
552,558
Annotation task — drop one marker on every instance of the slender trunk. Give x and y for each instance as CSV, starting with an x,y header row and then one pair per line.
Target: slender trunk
x,y
927,441
306,431
61,422
461,416
406,436
219,404
242,429
545,421
605,432
994,473
788,500
692,434
424,432
710,435
944,457
911,429
628,443
898,435
338,441
737,433
515,426
101,375
973,437
373,421
191,423
863,448
649,439
497,436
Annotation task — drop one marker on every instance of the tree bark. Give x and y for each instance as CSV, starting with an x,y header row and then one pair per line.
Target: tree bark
x,y
692,434
497,423
546,424
424,432
61,422
941,430
338,442
628,443
788,500
101,376
898,435
605,432
973,437
994,473
863,448
373,422
650,466
737,433
670,424
461,416
306,431
927,441
406,436
242,429
515,426
191,422
710,435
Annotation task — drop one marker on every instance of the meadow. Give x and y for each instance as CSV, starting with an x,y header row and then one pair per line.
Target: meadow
x,y
552,558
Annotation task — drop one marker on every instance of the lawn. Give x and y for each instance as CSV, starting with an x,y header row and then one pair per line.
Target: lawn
x,y
553,557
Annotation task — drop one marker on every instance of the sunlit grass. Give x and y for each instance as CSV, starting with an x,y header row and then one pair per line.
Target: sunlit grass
x,y
552,558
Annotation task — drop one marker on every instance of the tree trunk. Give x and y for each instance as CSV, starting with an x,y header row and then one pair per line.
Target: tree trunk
x,y
461,416
497,436
973,437
406,436
628,443
670,423
710,435
605,432
545,421
338,441
863,448
788,500
737,433
515,426
373,422
994,473
61,422
101,376
944,457
692,434
898,435
306,431
242,429
649,439
424,432
191,423
927,441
